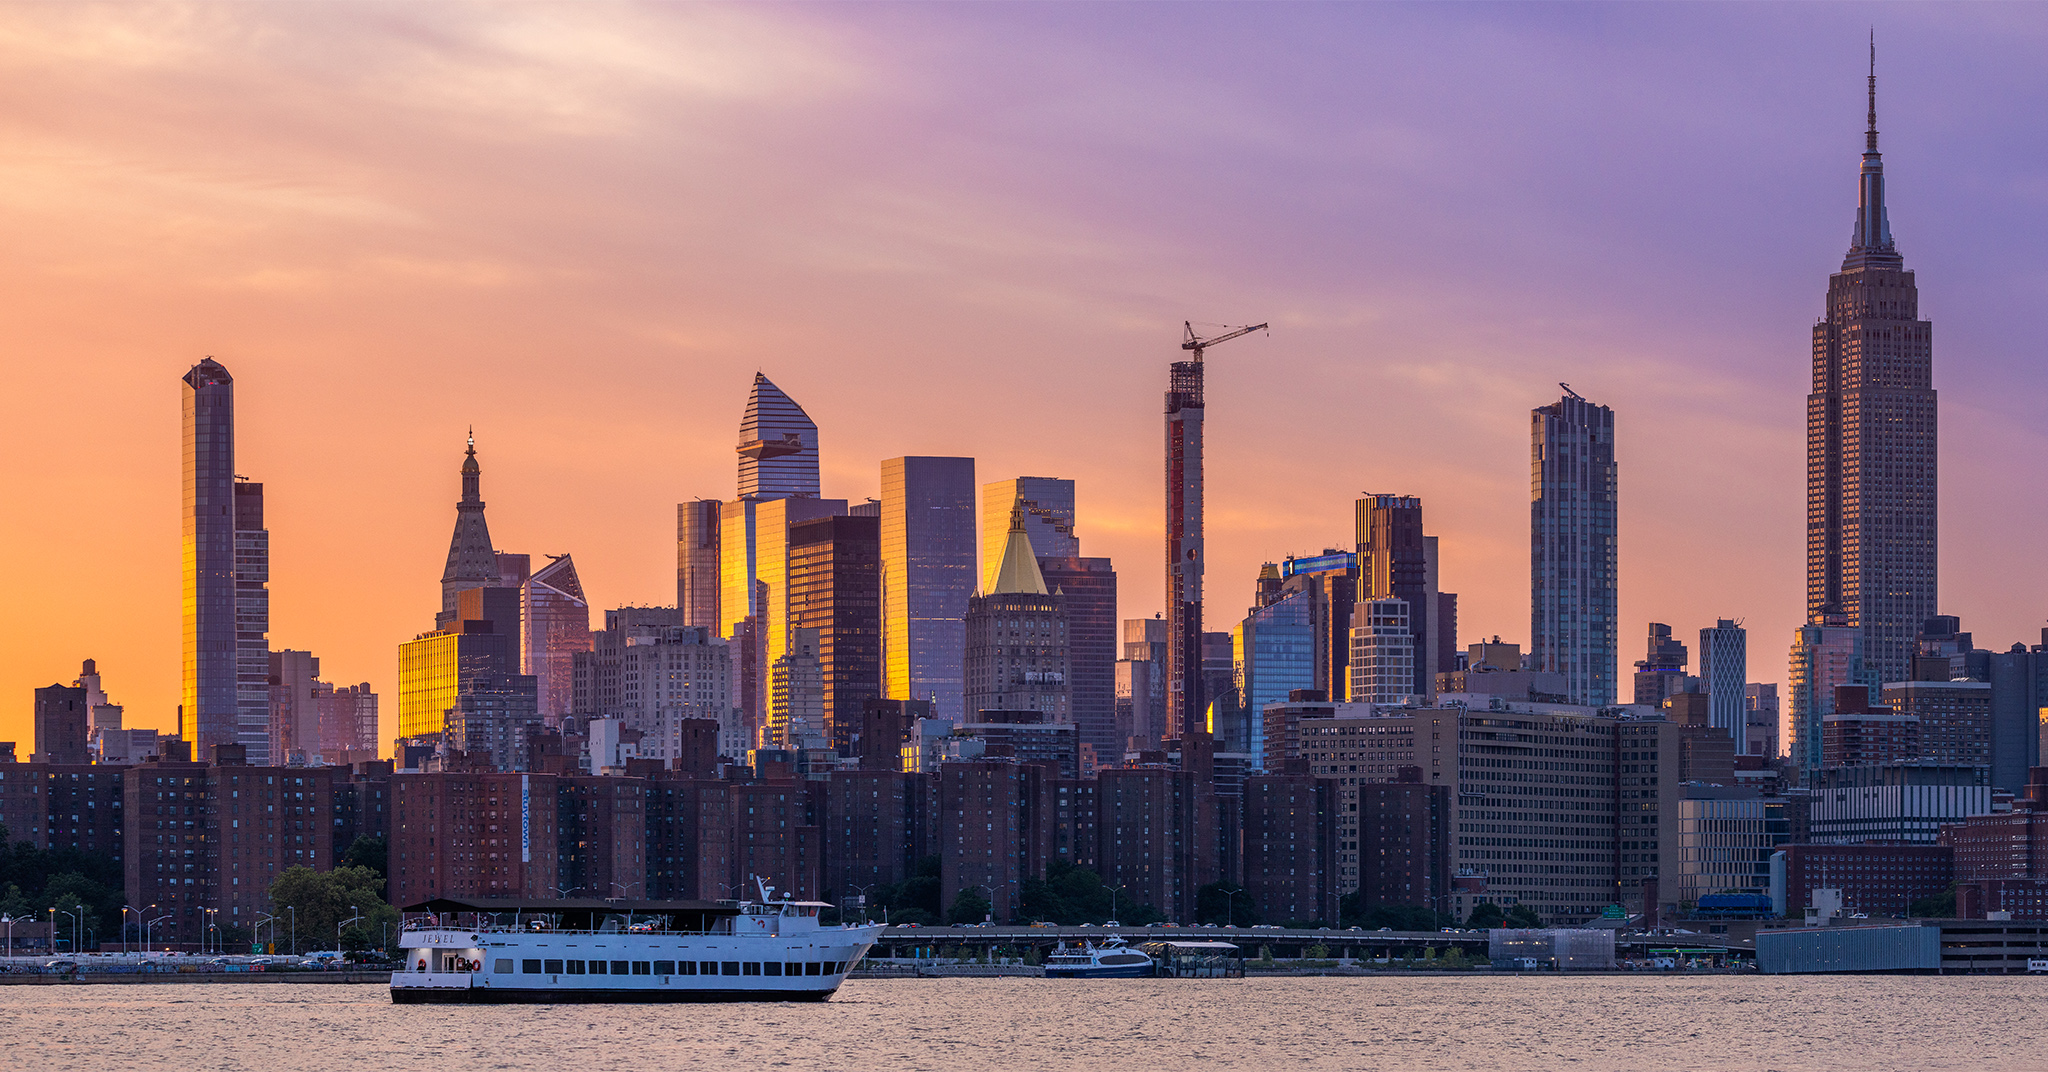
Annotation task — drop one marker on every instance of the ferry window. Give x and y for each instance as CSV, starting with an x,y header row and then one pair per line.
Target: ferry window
x,y
752,967
503,967
814,968
554,967
597,967
834,967
686,967
641,967
711,968
530,967
774,967
668,967
575,967
731,967
795,968
620,967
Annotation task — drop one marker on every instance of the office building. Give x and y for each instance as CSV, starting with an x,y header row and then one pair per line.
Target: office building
x,y
433,666
1724,672
294,715
697,581
796,707
209,711
778,446
1275,649
1086,588
472,561
1760,717
1016,651
1904,803
1573,563
1395,561
1855,734
1875,880
928,573
1141,682
1328,584
1048,504
1824,657
656,676
490,719
555,625
2019,690
1871,523
1954,717
835,589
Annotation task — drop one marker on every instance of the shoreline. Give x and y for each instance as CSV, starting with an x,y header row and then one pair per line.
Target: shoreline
x,y
152,978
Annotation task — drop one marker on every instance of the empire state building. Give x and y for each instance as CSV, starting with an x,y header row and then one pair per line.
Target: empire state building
x,y
1870,443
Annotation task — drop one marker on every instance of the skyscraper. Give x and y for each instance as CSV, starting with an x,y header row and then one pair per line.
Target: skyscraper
x,y
928,573
209,714
1383,653
1824,656
1724,672
1048,520
1185,558
778,446
1870,442
472,562
835,589
1573,563
555,623
252,623
1394,563
1016,652
697,584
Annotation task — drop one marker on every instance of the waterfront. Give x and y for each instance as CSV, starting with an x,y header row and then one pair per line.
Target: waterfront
x,y
1593,1024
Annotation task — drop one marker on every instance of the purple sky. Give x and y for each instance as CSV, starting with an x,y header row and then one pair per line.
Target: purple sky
x,y
975,229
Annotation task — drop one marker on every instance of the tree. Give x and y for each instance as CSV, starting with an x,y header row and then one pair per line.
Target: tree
x,y
1071,896
1221,903
371,852
1486,916
320,901
1936,905
968,907
1523,916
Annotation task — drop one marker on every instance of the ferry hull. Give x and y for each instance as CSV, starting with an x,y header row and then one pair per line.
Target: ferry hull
x,y
1139,971
510,996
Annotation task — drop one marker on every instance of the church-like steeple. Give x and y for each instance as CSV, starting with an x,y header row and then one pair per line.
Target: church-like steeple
x,y
1019,571
1871,246
472,563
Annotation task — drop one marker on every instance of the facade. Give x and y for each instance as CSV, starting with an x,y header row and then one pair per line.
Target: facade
x,y
1383,653
490,718
1955,719
1396,561
1662,669
775,839
1876,880
433,666
1404,842
1724,674
1904,803
1154,836
475,834
1760,719
472,561
875,831
294,714
1824,657
1724,844
1290,847
689,837
209,712
928,573
1573,553
835,589
1048,504
994,830
1871,522
1086,588
657,676
796,703
1141,682
1329,583
555,623
697,583
1275,648
2019,690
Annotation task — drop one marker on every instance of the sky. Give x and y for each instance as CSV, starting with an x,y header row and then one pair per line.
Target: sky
x,y
977,230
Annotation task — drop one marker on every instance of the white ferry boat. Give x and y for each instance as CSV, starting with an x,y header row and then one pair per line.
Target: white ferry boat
x,y
1110,960
479,950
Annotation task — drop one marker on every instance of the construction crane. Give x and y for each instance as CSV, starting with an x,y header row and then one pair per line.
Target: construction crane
x,y
1198,344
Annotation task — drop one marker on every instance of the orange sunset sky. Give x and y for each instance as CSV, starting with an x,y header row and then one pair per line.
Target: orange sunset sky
x,y
975,230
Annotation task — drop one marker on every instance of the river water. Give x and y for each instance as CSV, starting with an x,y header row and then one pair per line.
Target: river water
x,y
1512,1024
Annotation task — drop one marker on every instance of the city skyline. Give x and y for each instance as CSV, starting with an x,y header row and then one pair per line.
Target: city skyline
x,y
354,464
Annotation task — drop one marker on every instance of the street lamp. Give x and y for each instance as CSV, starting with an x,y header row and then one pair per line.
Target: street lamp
x,y
294,910
562,894
1112,921
10,921
147,924
77,925
990,915
261,919
862,893
622,887
1231,907
343,925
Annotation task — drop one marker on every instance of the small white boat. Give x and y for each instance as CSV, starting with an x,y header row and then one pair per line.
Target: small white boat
x,y
1110,960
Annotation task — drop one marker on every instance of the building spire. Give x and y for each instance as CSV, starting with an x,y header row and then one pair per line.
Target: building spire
x,y
1871,246
1019,570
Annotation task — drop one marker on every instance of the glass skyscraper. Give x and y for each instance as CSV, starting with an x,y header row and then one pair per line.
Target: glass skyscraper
x,y
252,624
778,446
555,618
1048,521
209,714
1573,561
928,573
1275,654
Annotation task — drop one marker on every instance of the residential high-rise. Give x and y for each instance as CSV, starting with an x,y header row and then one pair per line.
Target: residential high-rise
x,y
252,623
835,588
1724,673
778,446
796,706
1048,520
294,714
1760,702
1330,583
61,717
555,620
1383,653
209,712
1275,653
928,573
1394,562
1016,652
1140,683
1573,563
1185,556
1662,671
472,562
697,583
1824,656
1870,443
